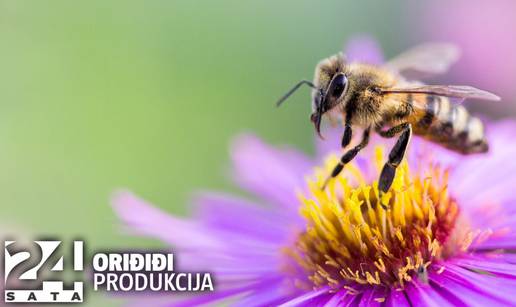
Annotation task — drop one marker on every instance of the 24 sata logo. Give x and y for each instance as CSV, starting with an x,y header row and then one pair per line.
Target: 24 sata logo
x,y
34,274
25,271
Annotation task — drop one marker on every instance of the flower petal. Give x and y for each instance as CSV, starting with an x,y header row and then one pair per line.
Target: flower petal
x,y
397,299
504,241
217,296
491,263
473,289
330,143
305,299
343,298
425,295
236,215
500,220
150,221
230,256
364,49
497,168
272,174
373,296
272,294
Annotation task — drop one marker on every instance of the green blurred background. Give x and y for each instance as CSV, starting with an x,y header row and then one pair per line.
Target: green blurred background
x,y
147,95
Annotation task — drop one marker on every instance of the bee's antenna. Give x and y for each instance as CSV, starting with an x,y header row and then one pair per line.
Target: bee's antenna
x,y
282,99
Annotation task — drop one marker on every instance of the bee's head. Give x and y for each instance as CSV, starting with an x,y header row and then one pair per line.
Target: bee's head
x,y
329,88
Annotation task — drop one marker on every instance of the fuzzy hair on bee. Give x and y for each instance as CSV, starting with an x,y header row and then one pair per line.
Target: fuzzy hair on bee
x,y
380,99
361,97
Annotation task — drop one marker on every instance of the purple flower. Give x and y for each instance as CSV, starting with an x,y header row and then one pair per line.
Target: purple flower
x,y
481,29
446,239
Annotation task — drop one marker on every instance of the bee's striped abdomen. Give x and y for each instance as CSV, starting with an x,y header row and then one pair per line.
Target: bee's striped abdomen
x,y
450,125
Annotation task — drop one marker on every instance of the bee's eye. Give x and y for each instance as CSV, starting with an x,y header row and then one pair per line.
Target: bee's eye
x,y
338,85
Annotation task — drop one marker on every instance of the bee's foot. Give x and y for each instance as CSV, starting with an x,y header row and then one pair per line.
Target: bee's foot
x,y
385,206
325,184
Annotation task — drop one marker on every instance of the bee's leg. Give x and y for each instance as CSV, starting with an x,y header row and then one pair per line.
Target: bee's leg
x,y
392,132
346,137
348,132
395,156
348,156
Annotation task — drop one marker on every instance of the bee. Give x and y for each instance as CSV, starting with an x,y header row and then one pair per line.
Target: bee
x,y
381,99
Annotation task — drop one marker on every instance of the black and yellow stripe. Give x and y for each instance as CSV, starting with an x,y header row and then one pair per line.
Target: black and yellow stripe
x,y
450,125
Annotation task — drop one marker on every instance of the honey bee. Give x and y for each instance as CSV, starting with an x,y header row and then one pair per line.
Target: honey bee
x,y
382,99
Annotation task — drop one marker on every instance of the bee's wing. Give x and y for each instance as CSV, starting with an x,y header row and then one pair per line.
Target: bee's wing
x,y
426,59
459,92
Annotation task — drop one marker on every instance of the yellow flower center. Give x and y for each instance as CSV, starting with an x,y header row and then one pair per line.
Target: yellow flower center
x,y
351,240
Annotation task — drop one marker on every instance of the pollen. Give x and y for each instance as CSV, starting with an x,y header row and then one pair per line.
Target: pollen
x,y
354,236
